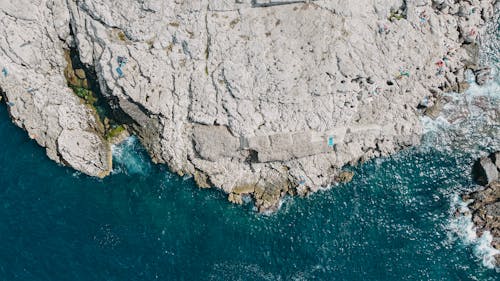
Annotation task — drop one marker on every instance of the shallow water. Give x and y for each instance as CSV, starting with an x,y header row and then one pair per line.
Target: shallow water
x,y
393,222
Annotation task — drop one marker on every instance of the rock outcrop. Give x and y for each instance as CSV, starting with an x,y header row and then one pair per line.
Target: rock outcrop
x,y
485,170
485,202
268,94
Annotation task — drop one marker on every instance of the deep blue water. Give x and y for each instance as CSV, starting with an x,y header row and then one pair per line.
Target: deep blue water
x,y
143,223
393,222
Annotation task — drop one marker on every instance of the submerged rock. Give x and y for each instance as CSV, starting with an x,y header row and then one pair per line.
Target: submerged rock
x,y
278,95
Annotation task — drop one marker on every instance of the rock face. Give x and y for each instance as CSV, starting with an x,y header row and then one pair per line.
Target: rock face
x,y
485,170
485,206
269,94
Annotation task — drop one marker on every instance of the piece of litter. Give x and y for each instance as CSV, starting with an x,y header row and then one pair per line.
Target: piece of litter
x,y
425,102
121,61
5,72
302,181
119,71
404,73
331,142
383,28
376,90
10,103
424,17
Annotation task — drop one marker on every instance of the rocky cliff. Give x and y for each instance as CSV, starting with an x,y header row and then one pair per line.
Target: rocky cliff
x,y
260,98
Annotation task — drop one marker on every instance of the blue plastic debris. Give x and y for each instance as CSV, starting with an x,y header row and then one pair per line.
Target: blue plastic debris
x,y
121,61
119,71
331,141
10,103
5,72
302,181
425,102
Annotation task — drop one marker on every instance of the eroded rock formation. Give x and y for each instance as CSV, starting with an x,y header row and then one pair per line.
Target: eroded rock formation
x,y
256,97
484,204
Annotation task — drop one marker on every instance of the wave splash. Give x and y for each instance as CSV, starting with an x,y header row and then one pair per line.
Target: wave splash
x,y
469,125
130,158
469,122
461,226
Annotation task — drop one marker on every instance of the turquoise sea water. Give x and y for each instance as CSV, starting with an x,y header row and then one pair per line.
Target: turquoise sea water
x,y
393,222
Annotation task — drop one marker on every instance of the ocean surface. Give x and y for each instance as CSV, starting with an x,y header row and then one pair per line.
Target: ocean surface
x,y
393,222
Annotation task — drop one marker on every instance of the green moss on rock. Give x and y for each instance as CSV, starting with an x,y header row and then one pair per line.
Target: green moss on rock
x,y
114,132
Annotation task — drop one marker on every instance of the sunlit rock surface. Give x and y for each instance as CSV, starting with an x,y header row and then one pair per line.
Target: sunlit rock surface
x,y
273,96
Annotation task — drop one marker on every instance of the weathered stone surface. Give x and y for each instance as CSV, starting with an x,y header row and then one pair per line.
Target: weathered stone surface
x,y
483,75
485,171
84,151
32,53
235,198
497,160
434,110
345,176
276,94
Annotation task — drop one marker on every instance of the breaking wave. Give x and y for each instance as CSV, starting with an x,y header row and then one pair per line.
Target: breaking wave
x,y
470,125
462,227
130,158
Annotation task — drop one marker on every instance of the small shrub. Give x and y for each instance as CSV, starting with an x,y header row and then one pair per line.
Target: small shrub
x,y
114,131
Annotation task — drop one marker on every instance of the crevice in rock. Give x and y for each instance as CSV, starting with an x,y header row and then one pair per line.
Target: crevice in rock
x,y
270,3
83,80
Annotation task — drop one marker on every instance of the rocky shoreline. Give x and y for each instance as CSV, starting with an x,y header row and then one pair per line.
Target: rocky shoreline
x,y
484,203
258,98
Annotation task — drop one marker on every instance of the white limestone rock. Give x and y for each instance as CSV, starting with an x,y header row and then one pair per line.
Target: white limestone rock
x,y
278,95
34,87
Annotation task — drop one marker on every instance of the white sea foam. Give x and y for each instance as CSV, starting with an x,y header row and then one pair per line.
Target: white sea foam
x,y
129,159
468,122
462,227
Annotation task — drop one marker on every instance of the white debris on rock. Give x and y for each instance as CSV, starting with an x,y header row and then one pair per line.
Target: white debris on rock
x,y
268,94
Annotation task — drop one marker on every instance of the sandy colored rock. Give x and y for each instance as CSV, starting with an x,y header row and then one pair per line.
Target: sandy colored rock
x,y
235,198
345,176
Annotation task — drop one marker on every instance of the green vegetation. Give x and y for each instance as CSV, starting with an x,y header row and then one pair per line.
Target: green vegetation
x,y
234,22
85,94
114,132
396,15
122,36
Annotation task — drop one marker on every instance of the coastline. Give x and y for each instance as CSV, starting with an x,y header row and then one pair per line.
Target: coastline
x,y
218,119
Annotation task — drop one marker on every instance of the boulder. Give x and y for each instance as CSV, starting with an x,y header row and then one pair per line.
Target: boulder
x,y
483,75
485,171
345,176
